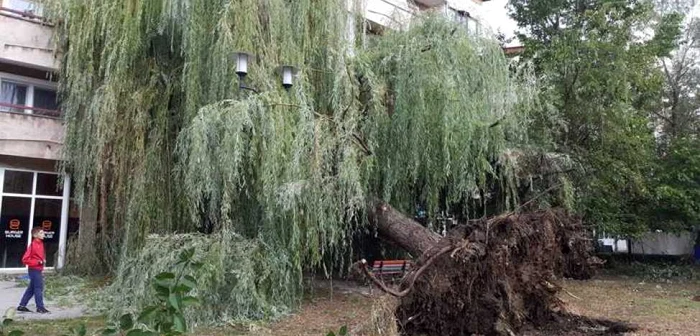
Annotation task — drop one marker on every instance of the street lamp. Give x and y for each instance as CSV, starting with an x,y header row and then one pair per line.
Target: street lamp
x,y
288,72
243,60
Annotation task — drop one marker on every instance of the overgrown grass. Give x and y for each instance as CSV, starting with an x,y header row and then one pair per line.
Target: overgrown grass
x,y
66,290
58,327
655,271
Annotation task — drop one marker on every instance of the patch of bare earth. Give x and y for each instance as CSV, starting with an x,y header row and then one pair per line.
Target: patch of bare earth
x,y
657,309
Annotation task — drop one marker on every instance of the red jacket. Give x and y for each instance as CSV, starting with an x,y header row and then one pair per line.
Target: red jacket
x,y
35,257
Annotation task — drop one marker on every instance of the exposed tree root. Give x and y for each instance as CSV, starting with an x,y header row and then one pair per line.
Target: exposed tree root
x,y
494,277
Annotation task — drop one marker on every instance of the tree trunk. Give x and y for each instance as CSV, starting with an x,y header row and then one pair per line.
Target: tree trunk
x,y
401,230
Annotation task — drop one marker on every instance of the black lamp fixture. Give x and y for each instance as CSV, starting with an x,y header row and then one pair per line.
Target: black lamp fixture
x,y
244,59
288,72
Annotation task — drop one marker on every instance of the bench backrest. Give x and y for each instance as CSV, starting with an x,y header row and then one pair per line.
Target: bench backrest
x,y
391,266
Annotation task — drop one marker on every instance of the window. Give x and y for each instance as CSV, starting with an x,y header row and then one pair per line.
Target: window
x,y
461,16
24,6
473,26
20,97
12,96
18,182
465,19
45,99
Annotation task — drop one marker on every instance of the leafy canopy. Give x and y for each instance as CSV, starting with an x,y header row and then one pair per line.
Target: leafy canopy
x,y
597,60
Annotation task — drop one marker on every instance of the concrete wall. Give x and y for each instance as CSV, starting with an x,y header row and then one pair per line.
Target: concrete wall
x,y
30,136
663,243
393,14
27,42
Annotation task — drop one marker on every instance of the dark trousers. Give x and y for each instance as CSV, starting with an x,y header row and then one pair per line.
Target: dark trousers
x,y
35,289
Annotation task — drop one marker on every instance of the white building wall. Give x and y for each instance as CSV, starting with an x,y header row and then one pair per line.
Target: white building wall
x,y
25,135
395,14
664,243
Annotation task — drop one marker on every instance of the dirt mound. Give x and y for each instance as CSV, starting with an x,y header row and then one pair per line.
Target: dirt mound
x,y
496,276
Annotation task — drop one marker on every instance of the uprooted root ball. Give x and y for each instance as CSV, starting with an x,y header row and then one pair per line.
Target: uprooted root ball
x,y
500,275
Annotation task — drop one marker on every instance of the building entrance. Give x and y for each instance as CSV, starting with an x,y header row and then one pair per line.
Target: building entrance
x,y
31,199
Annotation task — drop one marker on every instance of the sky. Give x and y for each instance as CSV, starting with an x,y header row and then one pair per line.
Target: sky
x,y
497,16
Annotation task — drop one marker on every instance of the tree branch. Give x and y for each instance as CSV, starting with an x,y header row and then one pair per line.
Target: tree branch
x,y
411,277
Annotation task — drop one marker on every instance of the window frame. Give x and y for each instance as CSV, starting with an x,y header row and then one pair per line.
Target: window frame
x,y
31,84
64,198
467,20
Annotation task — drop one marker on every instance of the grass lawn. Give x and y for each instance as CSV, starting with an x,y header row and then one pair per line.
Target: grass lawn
x,y
657,308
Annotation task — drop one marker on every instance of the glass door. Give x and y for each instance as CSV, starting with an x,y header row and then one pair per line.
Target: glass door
x,y
32,199
14,222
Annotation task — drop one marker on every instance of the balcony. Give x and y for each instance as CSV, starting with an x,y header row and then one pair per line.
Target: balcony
x,y
430,3
37,134
26,40
35,111
388,13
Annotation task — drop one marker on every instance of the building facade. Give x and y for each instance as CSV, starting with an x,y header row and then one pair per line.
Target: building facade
x,y
32,192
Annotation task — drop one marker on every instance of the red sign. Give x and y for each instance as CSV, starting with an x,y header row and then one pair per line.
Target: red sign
x,y
14,224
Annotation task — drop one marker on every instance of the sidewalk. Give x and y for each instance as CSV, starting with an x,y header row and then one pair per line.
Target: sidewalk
x,y
11,293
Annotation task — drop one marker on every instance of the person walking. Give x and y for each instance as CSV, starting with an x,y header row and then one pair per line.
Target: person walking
x,y
35,259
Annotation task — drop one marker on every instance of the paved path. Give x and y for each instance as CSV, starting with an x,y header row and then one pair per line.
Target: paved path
x,y
10,294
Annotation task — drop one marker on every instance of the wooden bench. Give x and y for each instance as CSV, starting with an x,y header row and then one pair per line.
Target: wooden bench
x,y
389,268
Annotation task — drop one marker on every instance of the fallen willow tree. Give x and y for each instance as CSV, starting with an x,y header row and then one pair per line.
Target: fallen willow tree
x,y
491,276
160,139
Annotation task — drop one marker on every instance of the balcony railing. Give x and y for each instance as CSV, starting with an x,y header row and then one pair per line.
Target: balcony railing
x,y
24,15
36,111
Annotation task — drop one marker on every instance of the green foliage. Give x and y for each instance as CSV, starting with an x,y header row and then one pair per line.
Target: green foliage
x,y
239,280
160,140
655,270
343,331
7,320
677,187
454,111
602,81
166,316
80,330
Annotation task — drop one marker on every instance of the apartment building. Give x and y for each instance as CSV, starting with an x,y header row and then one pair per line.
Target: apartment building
x,y
394,14
32,191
